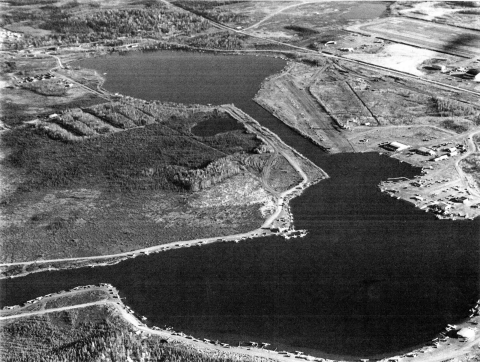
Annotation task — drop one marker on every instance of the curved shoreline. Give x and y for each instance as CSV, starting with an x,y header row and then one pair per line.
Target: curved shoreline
x,y
113,299
281,205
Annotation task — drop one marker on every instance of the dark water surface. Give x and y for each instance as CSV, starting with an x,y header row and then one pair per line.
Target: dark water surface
x,y
213,126
373,276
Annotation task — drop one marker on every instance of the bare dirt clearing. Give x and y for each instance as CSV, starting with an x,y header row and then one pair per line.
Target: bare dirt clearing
x,y
463,14
288,98
425,35
399,57
368,110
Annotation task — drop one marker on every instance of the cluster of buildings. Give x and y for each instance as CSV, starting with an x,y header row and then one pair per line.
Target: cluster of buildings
x,y
424,151
37,77
449,152
46,76
471,73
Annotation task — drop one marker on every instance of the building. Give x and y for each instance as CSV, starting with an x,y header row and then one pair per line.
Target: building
x,y
440,158
440,208
473,72
425,151
395,146
467,333
439,67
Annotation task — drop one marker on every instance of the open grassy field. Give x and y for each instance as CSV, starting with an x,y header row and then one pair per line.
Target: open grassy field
x,y
440,37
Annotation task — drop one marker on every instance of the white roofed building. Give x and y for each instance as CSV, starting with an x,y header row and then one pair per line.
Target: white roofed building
x,y
395,146
467,333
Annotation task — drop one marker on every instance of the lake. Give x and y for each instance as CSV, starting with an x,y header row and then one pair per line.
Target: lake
x,y
374,276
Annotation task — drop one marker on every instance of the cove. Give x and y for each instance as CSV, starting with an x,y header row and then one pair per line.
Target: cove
x,y
374,276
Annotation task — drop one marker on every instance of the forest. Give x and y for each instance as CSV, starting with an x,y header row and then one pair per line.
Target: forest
x,y
222,40
214,10
95,333
152,157
95,26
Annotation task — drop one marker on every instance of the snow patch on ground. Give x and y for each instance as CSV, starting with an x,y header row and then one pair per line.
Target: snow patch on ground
x,y
400,57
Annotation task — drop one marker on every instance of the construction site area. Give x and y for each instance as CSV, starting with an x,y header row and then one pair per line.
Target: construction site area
x,y
348,107
427,35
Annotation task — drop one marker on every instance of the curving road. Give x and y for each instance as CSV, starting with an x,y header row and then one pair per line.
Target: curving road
x,y
472,148
332,56
139,326
444,352
270,140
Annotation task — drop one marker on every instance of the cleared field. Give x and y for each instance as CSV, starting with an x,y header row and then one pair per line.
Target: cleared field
x,y
341,100
464,14
288,97
443,38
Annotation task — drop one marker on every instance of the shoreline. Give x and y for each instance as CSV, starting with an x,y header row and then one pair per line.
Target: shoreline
x,y
265,230
282,205
136,320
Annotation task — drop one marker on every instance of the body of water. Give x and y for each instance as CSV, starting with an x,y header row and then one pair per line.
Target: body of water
x,y
374,275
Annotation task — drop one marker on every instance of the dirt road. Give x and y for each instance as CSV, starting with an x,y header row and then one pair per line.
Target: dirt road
x,y
442,353
167,335
271,15
272,140
472,148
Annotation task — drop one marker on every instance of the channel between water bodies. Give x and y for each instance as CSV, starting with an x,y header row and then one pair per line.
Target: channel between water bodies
x,y
372,277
